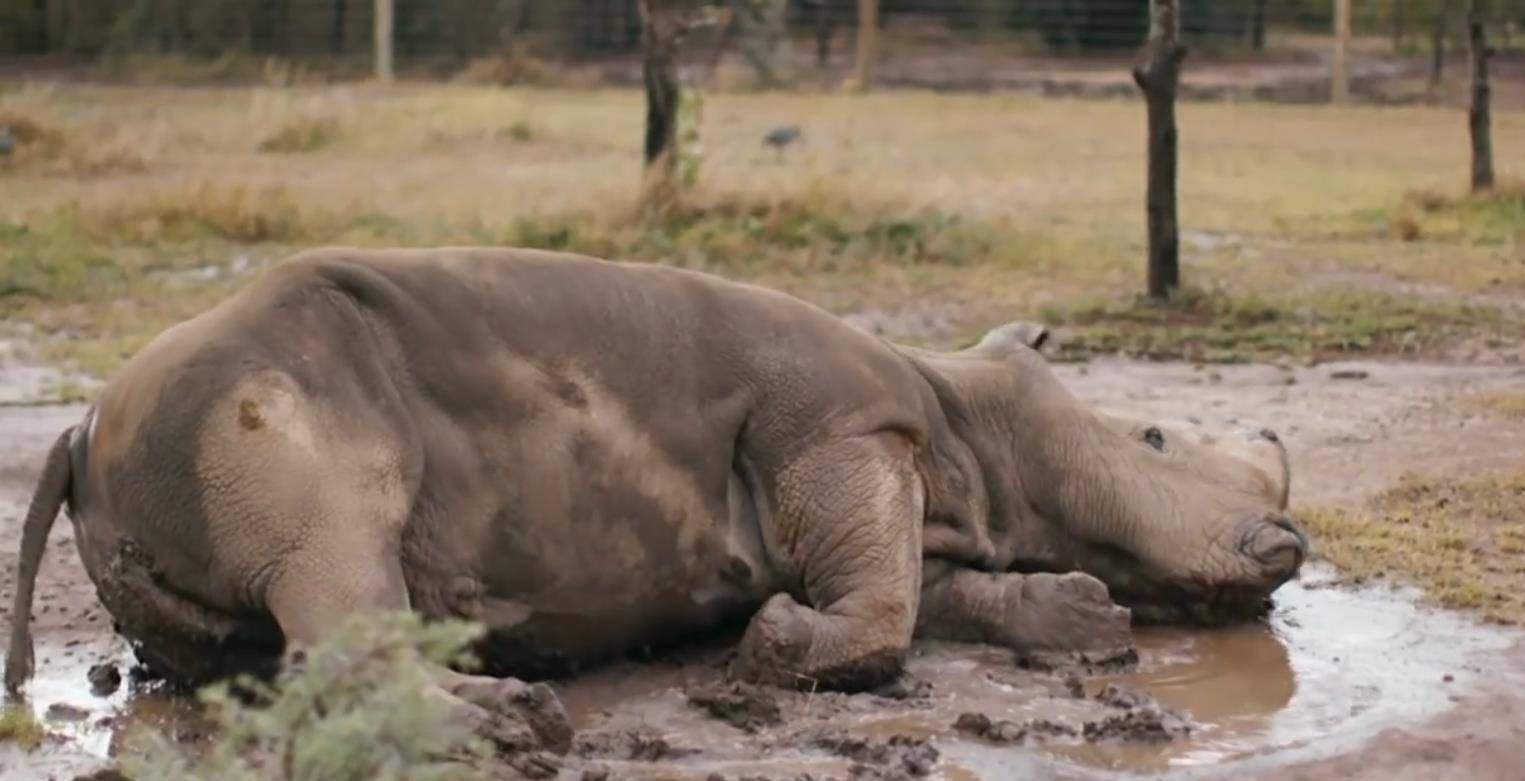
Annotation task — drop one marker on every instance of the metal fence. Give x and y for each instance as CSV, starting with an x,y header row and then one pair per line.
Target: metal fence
x,y
1039,44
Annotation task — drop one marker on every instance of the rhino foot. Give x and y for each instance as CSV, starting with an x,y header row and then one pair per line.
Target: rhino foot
x,y
517,707
1068,612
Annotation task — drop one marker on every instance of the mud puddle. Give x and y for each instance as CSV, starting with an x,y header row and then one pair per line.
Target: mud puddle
x,y
1329,669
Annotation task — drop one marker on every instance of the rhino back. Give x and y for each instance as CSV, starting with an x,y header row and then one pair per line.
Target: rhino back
x,y
598,436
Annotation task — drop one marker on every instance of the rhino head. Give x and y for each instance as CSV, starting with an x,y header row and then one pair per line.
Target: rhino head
x,y
1180,528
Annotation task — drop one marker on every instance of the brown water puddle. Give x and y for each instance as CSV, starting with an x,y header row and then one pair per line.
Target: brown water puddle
x,y
1329,669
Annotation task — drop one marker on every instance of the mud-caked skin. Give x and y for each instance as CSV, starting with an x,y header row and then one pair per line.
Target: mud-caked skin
x,y
590,457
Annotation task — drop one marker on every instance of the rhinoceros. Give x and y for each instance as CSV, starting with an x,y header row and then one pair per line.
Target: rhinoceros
x,y
588,457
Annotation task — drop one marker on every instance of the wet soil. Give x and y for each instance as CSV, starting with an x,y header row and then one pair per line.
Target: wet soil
x,y
1335,684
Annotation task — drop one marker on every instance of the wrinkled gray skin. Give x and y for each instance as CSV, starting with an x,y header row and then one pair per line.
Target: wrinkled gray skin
x,y
592,457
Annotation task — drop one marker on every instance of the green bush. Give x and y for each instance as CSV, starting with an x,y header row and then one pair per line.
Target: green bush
x,y
362,706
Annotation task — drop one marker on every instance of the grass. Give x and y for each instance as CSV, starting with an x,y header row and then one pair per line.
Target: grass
x,y
19,726
302,135
1505,404
988,208
1214,326
1461,540
1494,217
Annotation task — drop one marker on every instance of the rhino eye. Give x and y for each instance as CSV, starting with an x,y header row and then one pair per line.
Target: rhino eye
x,y
1154,438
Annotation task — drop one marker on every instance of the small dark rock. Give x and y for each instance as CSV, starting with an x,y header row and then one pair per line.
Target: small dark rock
x,y
62,711
596,774
905,688
104,774
1075,687
1349,374
105,679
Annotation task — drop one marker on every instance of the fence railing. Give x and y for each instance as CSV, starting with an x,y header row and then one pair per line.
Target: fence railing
x,y
933,43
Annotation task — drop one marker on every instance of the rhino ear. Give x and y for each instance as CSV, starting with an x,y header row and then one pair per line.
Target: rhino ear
x,y
1007,339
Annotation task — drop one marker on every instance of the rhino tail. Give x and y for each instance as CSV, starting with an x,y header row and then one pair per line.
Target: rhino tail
x,y
48,498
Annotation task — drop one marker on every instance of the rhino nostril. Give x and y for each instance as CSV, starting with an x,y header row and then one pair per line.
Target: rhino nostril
x,y
1276,544
1269,435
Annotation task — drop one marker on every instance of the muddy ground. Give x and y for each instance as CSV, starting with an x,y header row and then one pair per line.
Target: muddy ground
x,y
1339,683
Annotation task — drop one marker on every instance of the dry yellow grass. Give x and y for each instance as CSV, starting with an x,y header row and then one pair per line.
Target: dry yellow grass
x,y
1460,540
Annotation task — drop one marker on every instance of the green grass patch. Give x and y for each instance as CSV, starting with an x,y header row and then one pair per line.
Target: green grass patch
x,y
1493,217
19,726
1458,539
1217,326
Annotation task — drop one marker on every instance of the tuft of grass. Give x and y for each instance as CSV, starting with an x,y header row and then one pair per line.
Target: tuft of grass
x,y
50,147
52,259
361,706
1216,326
234,212
514,67
519,131
302,135
18,725
1506,404
1495,216
35,138
1458,539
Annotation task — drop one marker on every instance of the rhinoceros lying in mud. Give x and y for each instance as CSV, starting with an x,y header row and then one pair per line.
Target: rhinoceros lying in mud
x,y
589,457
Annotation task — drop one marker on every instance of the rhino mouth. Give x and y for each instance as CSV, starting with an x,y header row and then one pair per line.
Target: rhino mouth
x,y
1212,607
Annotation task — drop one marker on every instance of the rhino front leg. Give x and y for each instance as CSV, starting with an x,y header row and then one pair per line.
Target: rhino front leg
x,y
1026,613
312,596
848,522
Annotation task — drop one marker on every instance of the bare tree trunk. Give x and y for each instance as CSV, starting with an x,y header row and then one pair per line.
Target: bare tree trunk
x,y
825,28
337,29
40,28
1258,26
1438,43
383,51
1478,120
1158,76
1339,71
868,43
1399,25
660,27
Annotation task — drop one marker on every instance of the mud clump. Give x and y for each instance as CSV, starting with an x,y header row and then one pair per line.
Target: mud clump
x,y
104,679
1079,662
898,757
1140,725
1144,721
633,745
1119,697
1002,731
743,706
